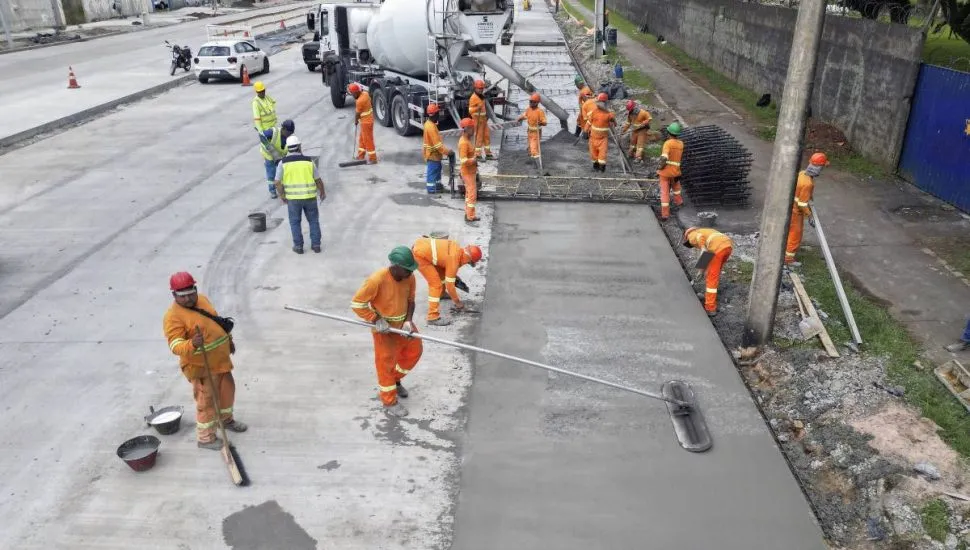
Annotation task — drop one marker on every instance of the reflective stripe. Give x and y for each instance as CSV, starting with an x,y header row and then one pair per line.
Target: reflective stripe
x,y
800,203
533,127
387,388
298,182
400,370
672,163
469,204
358,305
435,146
482,114
205,425
676,192
372,152
712,290
213,345
434,251
789,254
365,113
450,279
226,411
598,129
176,342
665,204
434,299
397,317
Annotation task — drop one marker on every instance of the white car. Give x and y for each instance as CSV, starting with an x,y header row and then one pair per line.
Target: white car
x,y
226,58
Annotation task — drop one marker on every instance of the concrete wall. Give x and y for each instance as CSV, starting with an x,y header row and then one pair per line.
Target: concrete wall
x,y
22,15
97,10
866,70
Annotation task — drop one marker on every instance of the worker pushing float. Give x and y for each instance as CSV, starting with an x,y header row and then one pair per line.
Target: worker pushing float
x,y
364,118
386,299
717,243
669,170
434,151
469,168
598,124
535,119
585,94
273,148
638,122
439,260
478,112
804,189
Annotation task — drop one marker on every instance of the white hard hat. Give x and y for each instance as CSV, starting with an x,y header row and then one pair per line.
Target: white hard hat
x,y
292,141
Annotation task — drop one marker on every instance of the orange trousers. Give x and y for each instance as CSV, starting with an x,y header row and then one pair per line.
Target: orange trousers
x,y
483,141
794,235
597,147
666,184
471,194
205,411
366,144
638,140
714,277
534,144
434,275
394,357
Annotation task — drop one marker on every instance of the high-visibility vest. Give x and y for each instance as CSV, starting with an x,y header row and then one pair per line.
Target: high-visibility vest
x,y
297,178
265,110
277,142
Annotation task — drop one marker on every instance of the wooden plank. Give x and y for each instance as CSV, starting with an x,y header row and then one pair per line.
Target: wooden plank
x,y
955,377
810,309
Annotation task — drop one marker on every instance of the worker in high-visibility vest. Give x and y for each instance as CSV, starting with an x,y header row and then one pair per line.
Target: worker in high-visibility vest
x,y
469,167
273,149
717,243
669,171
386,299
598,125
299,184
478,112
535,119
800,209
364,117
264,108
584,95
638,122
440,259
434,151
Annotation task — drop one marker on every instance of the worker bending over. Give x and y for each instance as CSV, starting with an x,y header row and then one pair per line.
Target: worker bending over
x,y
638,122
264,108
386,299
434,151
440,259
709,240
469,167
800,209
598,125
478,112
364,118
535,118
299,183
192,310
585,94
669,171
273,147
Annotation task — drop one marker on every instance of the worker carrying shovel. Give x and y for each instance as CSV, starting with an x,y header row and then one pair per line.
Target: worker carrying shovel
x,y
535,119
469,168
478,112
598,124
272,145
718,244
669,170
434,151
800,209
638,122
440,259
364,116
192,310
585,94
386,299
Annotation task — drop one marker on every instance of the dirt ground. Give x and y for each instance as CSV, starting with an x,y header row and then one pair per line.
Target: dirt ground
x,y
850,438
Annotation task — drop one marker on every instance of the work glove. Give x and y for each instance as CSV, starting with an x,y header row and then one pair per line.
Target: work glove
x,y
382,326
409,327
811,221
197,341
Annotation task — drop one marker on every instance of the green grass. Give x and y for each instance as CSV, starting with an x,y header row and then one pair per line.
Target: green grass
x,y
935,519
884,336
740,272
854,163
941,50
633,78
652,150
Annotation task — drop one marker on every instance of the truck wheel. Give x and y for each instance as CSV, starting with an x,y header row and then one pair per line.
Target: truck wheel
x,y
382,110
311,67
401,116
338,90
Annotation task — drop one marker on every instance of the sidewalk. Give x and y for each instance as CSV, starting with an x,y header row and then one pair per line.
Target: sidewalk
x,y
876,228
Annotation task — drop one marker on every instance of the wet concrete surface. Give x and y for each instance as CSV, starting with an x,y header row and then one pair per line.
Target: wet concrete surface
x,y
265,527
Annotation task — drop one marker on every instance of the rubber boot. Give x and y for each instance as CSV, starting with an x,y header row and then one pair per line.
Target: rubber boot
x,y
236,426
439,322
579,130
214,445
396,409
402,392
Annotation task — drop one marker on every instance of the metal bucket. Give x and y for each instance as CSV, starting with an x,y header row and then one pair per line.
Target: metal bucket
x,y
257,222
706,219
139,453
166,420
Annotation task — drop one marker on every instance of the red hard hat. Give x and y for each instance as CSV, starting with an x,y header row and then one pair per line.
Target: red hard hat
x,y
535,97
819,159
467,123
630,105
353,88
181,281
432,108
479,84
474,253
602,97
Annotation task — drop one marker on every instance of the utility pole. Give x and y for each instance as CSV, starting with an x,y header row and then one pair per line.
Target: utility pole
x,y
599,33
785,158
6,28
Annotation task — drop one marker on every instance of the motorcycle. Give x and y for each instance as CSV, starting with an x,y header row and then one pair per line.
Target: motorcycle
x,y
181,57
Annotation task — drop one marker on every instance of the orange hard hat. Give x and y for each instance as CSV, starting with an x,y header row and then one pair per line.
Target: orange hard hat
x,y
474,253
602,97
819,159
353,88
467,123
535,98
479,84
432,108
181,281
630,105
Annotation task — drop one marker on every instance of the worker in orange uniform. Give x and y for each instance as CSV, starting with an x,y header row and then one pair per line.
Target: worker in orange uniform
x,y
469,167
440,259
598,125
192,310
638,122
364,117
719,244
478,112
584,94
535,118
434,151
386,299
800,208
669,171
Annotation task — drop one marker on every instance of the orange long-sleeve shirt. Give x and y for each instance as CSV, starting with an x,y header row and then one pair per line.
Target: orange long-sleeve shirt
x,y
381,295
673,151
365,112
599,122
179,326
476,107
434,148
804,188
638,121
466,156
708,239
589,106
584,94
443,253
535,118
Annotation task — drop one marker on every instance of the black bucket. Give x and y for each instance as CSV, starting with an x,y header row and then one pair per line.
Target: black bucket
x,y
257,222
139,453
611,36
166,420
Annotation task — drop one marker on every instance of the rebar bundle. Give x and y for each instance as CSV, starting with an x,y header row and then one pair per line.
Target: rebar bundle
x,y
715,167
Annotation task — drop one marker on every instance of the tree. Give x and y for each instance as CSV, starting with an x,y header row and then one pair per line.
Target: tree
x,y
899,10
957,16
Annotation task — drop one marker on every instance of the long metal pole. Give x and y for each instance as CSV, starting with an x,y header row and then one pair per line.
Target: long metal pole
x,y
763,296
6,29
836,280
489,352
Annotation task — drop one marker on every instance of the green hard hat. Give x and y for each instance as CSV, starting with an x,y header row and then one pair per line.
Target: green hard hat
x,y
674,129
401,256
579,79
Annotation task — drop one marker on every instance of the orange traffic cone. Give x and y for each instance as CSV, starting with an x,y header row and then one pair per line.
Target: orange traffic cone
x,y
282,25
245,77
71,79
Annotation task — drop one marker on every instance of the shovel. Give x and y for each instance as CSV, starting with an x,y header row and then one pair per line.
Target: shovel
x,y
353,152
809,327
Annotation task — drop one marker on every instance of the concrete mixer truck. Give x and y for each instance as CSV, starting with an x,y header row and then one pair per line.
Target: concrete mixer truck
x,y
408,53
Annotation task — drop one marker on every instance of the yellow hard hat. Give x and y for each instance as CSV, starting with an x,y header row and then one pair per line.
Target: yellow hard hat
x,y
259,86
